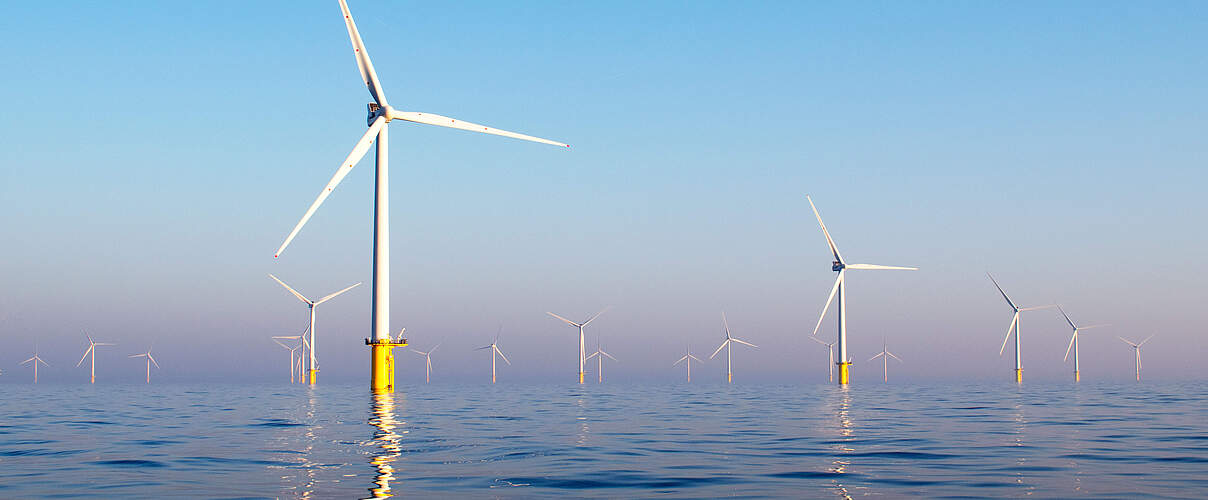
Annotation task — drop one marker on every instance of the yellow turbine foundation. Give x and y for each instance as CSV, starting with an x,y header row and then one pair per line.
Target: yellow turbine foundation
x,y
844,376
730,378
1019,375
381,371
580,377
314,375
1077,377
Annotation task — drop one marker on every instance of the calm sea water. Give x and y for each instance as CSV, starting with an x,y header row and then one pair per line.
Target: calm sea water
x,y
994,440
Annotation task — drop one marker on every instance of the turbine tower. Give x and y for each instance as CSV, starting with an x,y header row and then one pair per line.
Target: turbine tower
x,y
841,266
494,347
1015,327
885,355
687,359
35,360
292,351
380,114
1137,350
311,304
582,349
428,362
149,361
728,345
91,350
599,355
1074,341
830,373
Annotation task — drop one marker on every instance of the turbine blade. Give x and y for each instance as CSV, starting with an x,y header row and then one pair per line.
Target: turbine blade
x,y
894,356
878,266
1094,326
368,75
815,339
417,351
592,355
569,322
829,298
444,121
358,152
483,347
609,356
678,361
505,358
694,357
879,354
136,355
329,297
1014,319
281,344
1144,341
291,290
745,343
85,355
1033,308
1070,347
30,359
43,362
829,241
723,344
1004,294
153,361
725,323
432,350
1067,317
593,318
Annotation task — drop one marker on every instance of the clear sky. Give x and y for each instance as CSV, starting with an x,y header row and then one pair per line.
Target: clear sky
x,y
152,158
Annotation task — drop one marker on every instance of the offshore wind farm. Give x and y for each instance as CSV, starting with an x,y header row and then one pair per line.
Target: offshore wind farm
x,y
1058,146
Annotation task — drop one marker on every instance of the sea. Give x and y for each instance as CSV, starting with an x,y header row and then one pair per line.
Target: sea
x,y
1036,440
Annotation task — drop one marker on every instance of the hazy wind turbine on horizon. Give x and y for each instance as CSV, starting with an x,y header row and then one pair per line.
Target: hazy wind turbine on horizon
x,y
1074,341
728,344
35,360
582,348
841,266
830,373
292,350
428,362
494,347
1015,327
380,114
599,355
150,360
91,350
885,355
688,357
312,304
1137,350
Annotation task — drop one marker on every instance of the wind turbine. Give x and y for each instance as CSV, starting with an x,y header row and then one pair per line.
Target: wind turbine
x,y
687,359
311,304
599,355
729,348
292,351
1137,349
149,361
1074,341
1015,326
884,355
840,266
428,363
494,347
35,360
582,349
380,114
91,350
830,374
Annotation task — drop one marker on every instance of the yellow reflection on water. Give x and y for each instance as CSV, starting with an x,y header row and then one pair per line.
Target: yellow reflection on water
x,y
385,443
846,430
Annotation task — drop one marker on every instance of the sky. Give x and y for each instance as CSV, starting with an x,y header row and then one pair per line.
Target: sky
x,y
152,159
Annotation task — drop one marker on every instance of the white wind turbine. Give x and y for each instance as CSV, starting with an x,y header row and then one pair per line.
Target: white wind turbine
x,y
599,355
494,347
830,375
687,359
292,351
380,114
91,350
1074,341
885,355
840,266
582,349
149,361
1137,350
311,304
728,345
1015,327
35,360
428,363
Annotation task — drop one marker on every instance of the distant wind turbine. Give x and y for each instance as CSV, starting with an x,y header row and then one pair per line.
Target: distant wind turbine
x,y
830,374
687,360
1137,350
311,304
599,355
494,347
728,345
885,355
292,350
841,266
1074,341
35,360
1015,327
91,350
582,348
428,362
150,360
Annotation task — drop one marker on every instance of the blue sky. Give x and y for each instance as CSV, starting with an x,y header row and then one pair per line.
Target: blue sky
x,y
154,158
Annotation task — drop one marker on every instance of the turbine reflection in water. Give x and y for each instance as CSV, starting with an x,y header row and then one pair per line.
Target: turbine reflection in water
x,y
386,441
846,434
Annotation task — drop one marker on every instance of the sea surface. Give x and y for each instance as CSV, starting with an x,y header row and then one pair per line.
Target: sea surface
x,y
1056,440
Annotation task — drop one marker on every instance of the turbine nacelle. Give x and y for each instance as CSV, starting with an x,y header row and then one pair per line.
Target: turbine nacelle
x,y
837,266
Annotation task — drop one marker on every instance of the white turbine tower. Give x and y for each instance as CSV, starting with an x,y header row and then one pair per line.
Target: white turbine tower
x,y
599,355
35,360
311,304
687,360
428,362
885,355
494,347
1137,350
830,373
292,351
582,348
91,350
728,345
149,361
1015,327
380,114
1074,341
840,266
